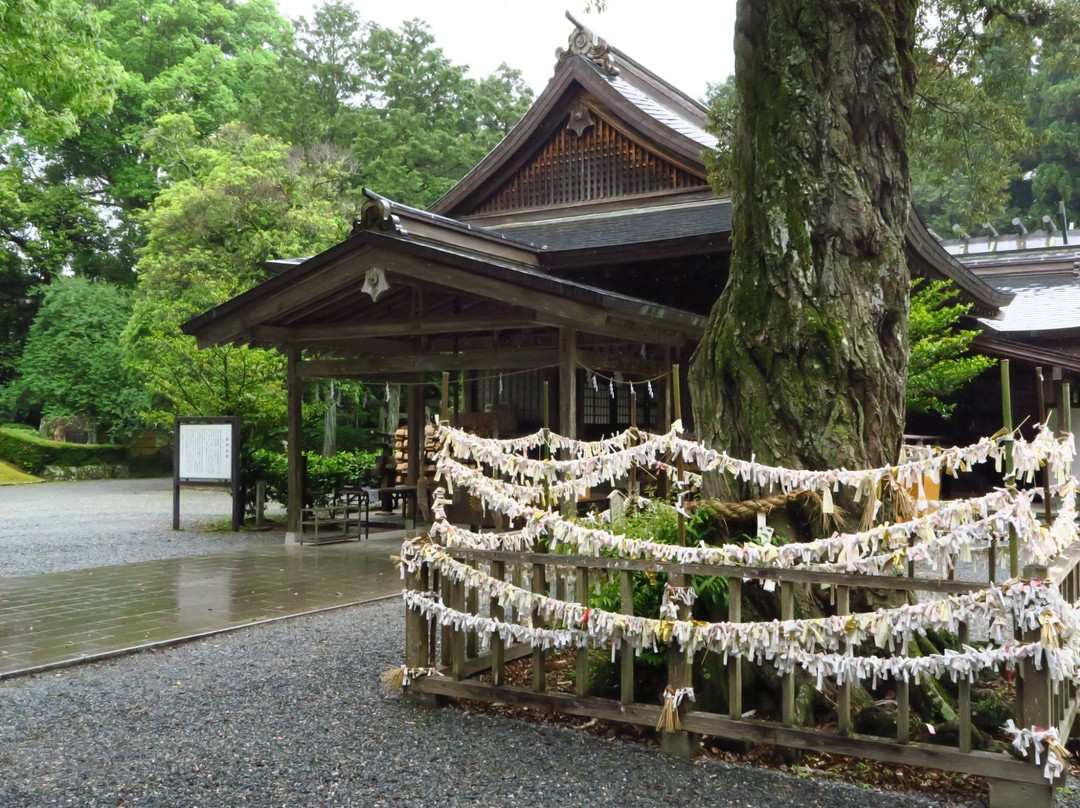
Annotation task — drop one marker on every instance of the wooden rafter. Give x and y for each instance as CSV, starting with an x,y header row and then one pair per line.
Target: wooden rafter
x,y
520,359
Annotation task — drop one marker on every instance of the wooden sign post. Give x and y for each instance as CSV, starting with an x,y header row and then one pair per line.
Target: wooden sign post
x,y
206,452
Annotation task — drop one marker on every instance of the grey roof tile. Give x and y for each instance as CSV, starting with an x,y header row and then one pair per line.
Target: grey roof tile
x,y
1042,303
659,111
641,226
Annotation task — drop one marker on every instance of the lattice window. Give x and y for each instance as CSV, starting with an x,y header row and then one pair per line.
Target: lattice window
x,y
596,406
525,391
599,408
600,164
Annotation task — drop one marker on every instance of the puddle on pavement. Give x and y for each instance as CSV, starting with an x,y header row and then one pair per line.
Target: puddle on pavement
x,y
48,619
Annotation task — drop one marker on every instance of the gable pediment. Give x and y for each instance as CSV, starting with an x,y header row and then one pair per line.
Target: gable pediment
x,y
590,136
589,158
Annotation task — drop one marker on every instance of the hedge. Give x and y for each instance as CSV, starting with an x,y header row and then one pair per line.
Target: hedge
x,y
32,454
325,475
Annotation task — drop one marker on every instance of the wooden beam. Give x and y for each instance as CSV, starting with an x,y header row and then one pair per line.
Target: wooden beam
x,y
550,308
598,360
986,764
522,359
724,570
404,327
276,337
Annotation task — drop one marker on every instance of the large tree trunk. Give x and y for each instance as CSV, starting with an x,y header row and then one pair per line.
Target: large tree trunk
x,y
805,355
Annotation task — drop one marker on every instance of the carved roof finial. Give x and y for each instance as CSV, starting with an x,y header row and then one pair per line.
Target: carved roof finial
x,y
377,214
585,43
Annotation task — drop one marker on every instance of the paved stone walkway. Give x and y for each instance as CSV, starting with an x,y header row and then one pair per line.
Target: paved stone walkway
x,y
62,618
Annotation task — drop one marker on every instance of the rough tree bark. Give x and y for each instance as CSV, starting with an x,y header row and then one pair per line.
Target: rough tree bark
x,y
804,358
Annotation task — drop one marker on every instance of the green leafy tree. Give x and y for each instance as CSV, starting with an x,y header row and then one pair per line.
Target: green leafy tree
x,y
72,206
970,125
940,362
245,199
52,69
1053,164
429,123
322,79
201,57
72,364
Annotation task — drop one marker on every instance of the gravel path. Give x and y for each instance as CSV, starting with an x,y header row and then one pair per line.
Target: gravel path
x,y
54,527
291,714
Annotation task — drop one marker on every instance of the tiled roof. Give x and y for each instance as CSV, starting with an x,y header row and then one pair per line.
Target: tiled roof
x,y
1043,303
637,226
659,111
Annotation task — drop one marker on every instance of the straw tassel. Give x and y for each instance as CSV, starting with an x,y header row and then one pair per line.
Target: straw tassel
x,y
397,679
1051,629
669,713
393,679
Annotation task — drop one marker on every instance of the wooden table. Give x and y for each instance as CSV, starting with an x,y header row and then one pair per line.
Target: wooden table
x,y
398,493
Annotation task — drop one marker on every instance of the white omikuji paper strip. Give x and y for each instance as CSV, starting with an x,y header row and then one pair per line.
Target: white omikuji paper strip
x,y
593,463
823,647
1028,605
952,531
1061,663
1042,742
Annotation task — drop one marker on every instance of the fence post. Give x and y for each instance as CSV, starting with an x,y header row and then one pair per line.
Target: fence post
x,y
843,698
963,707
787,689
1007,413
581,590
498,649
626,653
539,585
1034,706
680,670
417,650
735,663
457,636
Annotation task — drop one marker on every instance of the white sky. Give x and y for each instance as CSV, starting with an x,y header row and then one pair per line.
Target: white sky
x,y
687,42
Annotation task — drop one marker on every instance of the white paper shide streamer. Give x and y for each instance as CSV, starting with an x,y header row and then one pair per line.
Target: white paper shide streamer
x,y
507,478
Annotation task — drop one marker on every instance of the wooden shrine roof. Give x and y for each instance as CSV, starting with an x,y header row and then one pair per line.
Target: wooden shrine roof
x,y
445,280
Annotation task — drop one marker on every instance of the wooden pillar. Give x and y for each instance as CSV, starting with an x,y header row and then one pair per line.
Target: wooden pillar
x,y
568,382
787,687
415,474
680,669
843,697
294,448
735,663
416,433
1034,708
626,652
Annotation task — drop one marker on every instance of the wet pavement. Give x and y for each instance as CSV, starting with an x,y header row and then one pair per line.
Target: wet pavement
x,y
61,618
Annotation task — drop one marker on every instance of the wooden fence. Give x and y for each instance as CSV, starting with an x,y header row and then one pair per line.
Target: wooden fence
x,y
447,659
456,655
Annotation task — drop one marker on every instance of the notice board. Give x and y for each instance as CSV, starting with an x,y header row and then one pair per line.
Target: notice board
x,y
206,452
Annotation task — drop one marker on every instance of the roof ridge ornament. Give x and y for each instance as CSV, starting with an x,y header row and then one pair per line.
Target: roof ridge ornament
x,y
377,214
587,44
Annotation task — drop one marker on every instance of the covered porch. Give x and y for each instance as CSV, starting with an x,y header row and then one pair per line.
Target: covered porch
x,y
410,295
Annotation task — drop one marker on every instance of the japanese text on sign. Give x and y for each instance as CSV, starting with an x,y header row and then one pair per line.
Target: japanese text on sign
x,y
206,451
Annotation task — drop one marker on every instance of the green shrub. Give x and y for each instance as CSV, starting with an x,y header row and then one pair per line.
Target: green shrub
x,y
658,522
25,450
325,475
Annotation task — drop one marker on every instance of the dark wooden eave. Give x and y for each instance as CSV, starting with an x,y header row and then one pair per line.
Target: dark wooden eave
x,y
1002,348
319,303
929,258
